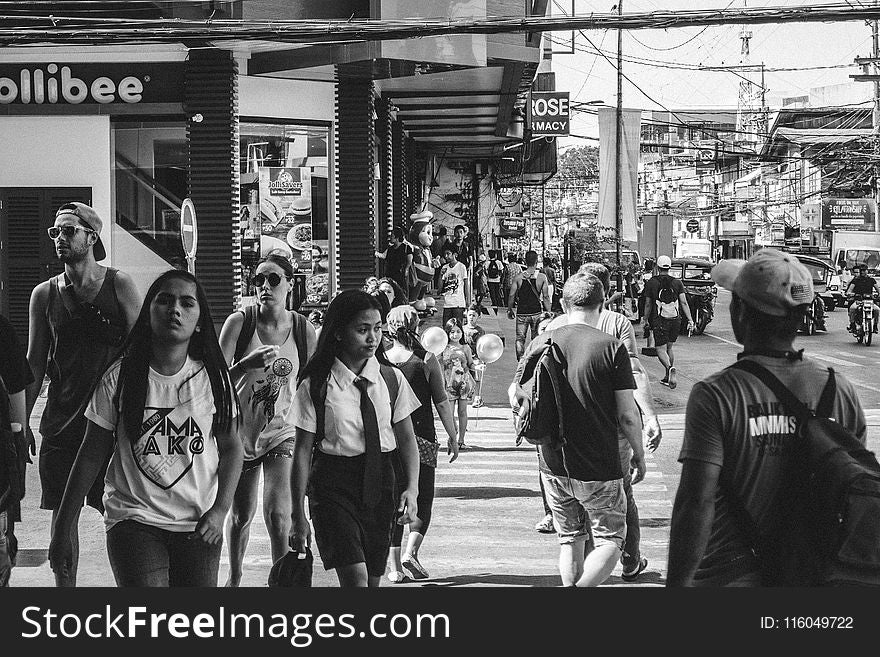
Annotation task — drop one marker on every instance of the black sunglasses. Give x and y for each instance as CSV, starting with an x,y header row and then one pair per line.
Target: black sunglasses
x,y
273,278
67,231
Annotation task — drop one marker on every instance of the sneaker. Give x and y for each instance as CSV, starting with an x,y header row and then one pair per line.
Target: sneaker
x,y
397,577
414,568
671,383
478,402
631,575
545,525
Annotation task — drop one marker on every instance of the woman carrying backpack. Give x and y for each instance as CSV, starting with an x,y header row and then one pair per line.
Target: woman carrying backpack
x,y
265,346
422,371
164,415
494,276
352,410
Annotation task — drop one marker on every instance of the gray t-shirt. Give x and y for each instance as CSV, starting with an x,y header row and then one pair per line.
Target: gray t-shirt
x,y
734,421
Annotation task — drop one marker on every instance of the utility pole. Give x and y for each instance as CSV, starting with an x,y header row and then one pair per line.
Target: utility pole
x,y
876,120
618,188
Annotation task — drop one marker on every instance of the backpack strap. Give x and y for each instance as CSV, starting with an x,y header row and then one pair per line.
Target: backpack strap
x,y
785,395
247,332
792,403
300,336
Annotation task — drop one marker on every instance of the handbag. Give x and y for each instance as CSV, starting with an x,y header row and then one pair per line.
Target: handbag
x,y
293,570
428,451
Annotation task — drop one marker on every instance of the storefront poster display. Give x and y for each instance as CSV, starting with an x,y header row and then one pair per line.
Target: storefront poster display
x,y
286,215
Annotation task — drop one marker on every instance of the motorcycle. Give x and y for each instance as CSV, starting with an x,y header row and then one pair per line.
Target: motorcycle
x,y
863,325
702,305
814,318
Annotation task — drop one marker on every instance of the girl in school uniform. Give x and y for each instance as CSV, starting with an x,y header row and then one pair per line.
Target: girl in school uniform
x,y
459,372
422,371
163,413
345,408
265,380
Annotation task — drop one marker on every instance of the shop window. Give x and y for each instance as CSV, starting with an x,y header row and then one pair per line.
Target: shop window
x,y
150,170
285,203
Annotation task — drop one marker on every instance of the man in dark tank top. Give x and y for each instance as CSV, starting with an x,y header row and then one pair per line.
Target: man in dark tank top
x,y
78,322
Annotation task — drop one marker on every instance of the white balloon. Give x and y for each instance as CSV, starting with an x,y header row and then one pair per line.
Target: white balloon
x,y
434,339
489,348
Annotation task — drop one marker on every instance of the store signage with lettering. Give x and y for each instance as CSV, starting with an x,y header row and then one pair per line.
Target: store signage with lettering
x,y
549,113
511,226
848,213
86,84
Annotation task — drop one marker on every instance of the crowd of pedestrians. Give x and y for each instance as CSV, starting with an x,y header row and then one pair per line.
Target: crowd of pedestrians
x,y
168,429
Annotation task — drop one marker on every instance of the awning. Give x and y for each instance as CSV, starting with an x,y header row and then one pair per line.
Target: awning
x,y
822,135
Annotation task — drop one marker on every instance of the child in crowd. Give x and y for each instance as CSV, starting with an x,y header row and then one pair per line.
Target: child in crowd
x,y
352,412
472,333
459,371
164,414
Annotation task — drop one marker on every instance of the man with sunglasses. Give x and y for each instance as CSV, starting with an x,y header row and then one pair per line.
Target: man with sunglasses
x,y
78,321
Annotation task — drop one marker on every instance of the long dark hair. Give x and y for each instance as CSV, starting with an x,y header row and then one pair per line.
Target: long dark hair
x,y
131,390
340,313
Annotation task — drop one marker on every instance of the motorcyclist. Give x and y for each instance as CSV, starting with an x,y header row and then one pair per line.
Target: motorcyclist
x,y
861,285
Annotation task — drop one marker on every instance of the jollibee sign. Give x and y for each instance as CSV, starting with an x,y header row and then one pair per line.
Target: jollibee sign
x,y
549,113
76,84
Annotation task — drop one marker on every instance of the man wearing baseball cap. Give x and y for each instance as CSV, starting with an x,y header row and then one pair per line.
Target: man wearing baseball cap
x,y
78,321
665,303
739,433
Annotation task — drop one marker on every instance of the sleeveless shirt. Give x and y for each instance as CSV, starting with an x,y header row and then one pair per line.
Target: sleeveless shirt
x,y
527,300
266,397
415,371
78,353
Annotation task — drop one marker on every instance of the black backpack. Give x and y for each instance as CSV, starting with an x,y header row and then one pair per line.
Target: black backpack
x,y
540,420
827,530
493,270
13,456
250,325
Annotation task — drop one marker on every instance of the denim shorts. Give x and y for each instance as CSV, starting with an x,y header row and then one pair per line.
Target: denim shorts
x,y
581,508
283,450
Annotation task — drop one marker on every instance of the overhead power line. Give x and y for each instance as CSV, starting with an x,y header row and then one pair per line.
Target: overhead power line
x,y
22,30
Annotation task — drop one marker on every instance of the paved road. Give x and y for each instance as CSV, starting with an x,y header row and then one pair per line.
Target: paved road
x,y
488,501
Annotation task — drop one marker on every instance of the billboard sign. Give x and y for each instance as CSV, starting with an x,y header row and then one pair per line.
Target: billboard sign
x,y
848,213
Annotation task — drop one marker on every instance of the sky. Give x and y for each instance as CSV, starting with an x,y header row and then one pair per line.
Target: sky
x,y
589,77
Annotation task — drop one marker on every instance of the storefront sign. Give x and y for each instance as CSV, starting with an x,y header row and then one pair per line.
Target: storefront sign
x,y
848,213
693,226
189,232
86,84
548,113
512,226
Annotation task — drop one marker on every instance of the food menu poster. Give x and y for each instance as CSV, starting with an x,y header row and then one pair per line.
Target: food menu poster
x,y
286,224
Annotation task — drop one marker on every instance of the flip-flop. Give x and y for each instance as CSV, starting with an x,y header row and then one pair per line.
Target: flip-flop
x,y
672,383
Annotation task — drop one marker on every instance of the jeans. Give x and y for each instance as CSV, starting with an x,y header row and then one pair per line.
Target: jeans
x,y
631,553
495,294
141,555
523,324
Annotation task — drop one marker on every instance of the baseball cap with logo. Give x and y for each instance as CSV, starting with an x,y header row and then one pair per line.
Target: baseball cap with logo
x,y
664,262
88,218
770,281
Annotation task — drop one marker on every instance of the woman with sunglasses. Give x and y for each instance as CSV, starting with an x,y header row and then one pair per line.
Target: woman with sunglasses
x,y
265,376
164,416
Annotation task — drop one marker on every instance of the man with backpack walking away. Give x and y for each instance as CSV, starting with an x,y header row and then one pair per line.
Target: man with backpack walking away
x,y
767,497
665,303
590,401
530,292
494,273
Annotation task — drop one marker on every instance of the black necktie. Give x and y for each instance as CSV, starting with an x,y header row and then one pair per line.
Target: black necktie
x,y
372,447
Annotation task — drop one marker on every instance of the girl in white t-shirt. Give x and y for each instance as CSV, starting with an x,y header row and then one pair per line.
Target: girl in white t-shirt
x,y
164,414
347,382
265,380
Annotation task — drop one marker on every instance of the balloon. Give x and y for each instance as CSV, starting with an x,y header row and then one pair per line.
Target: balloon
x,y
420,305
434,339
489,348
429,302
